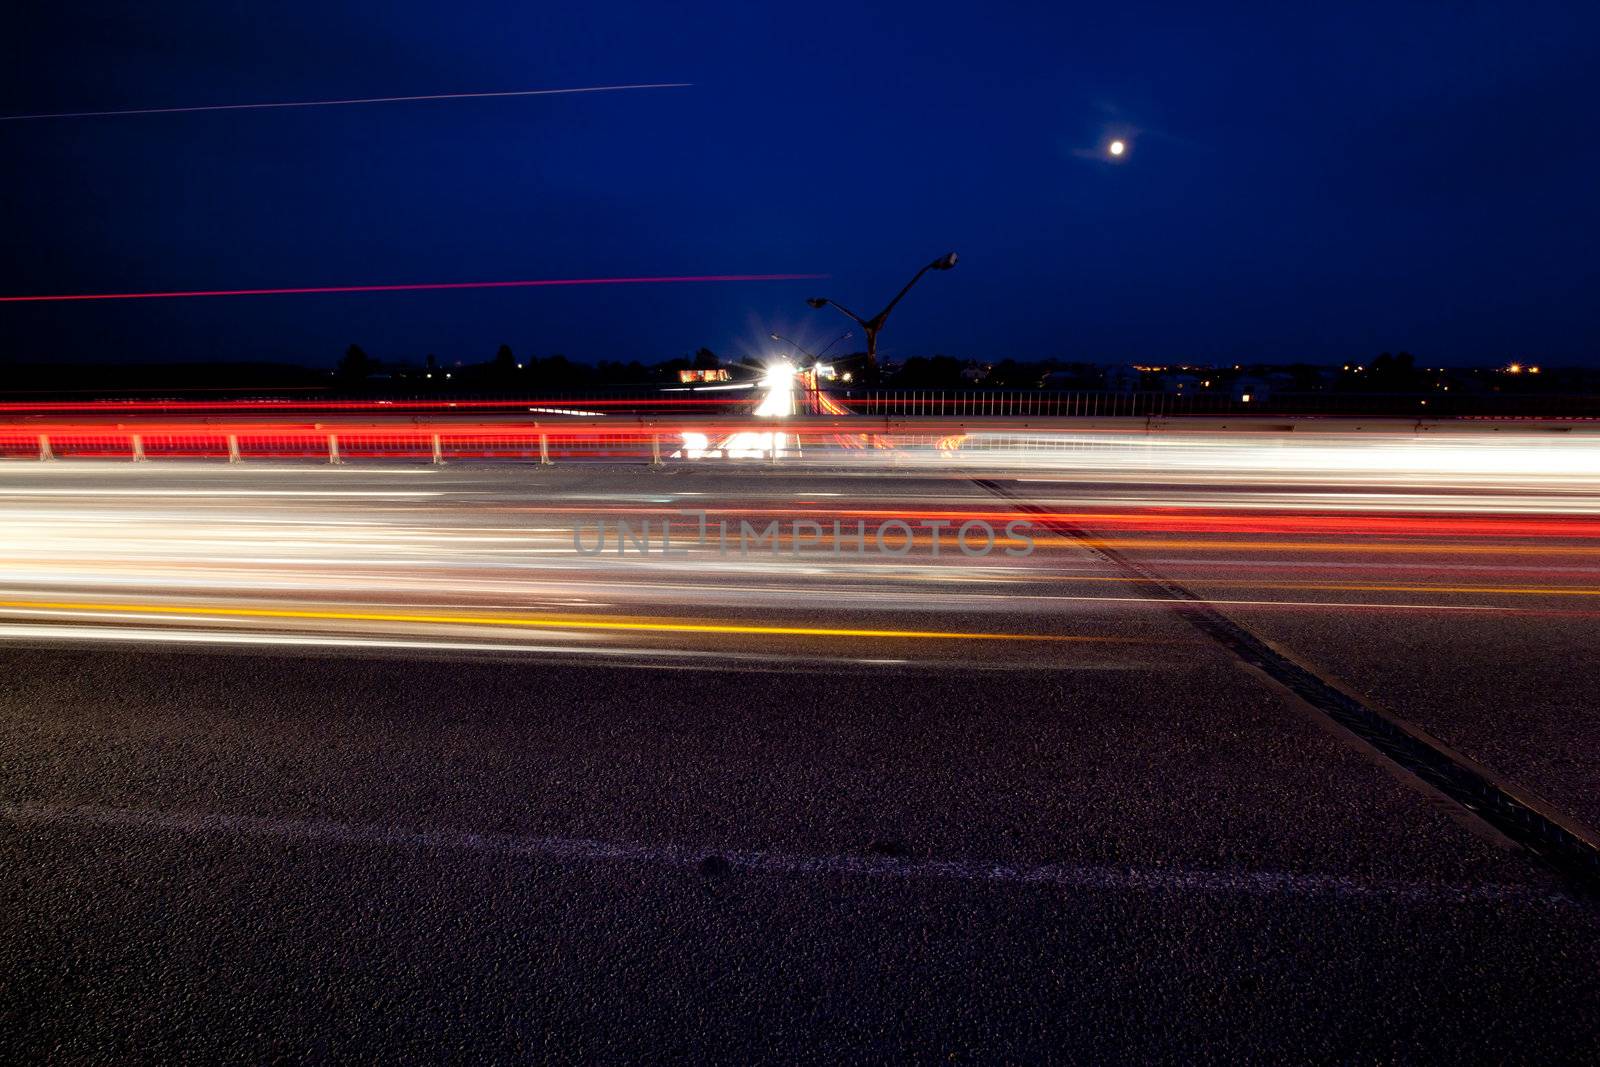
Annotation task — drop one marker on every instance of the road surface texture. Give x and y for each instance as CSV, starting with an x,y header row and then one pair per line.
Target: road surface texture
x,y
373,762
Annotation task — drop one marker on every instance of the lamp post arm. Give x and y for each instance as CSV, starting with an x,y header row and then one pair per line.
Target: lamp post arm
x,y
831,343
884,314
793,345
859,321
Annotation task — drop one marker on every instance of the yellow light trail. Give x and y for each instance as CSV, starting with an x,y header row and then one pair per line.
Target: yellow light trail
x,y
545,623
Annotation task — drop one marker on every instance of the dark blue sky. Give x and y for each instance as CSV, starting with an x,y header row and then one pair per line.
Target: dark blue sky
x,y
1304,181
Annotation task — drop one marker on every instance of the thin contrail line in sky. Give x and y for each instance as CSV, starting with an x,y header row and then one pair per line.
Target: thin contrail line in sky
x,y
657,280
339,103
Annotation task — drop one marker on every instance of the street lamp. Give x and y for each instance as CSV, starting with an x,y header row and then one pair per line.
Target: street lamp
x,y
873,325
815,357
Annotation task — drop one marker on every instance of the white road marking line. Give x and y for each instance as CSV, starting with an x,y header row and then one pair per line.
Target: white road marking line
x,y
27,817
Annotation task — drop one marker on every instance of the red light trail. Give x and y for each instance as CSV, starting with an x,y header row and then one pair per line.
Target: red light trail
x,y
412,287
341,103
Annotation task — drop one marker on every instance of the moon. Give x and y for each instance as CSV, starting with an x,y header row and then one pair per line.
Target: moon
x,y
1116,148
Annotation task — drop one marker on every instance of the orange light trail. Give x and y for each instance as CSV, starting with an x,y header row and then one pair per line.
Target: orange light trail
x,y
544,622
1407,526
1353,587
1328,546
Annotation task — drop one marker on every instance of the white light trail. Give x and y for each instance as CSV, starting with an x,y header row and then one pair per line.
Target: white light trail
x,y
779,399
477,539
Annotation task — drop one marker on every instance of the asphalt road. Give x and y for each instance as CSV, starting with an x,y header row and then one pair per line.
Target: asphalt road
x,y
370,762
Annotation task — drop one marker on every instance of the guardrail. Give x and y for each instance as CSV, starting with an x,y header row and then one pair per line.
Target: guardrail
x,y
660,441
981,402
664,400
333,445
835,398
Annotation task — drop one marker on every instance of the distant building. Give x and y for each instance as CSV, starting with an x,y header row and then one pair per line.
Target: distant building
x,y
1251,390
1123,378
704,374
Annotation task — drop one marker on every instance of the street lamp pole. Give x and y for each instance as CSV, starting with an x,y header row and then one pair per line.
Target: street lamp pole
x,y
871,326
815,357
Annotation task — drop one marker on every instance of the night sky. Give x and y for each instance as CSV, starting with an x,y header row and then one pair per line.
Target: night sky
x,y
1303,181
